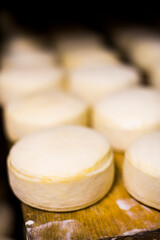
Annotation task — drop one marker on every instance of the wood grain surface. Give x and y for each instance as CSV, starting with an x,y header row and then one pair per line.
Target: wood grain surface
x,y
116,216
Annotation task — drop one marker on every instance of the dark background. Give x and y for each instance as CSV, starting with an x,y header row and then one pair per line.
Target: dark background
x,y
42,17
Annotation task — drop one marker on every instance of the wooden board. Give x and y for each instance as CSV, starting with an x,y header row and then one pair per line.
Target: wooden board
x,y
118,214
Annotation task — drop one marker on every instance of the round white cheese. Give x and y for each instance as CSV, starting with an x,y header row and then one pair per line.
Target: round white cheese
x,y
141,170
62,169
40,111
128,114
18,83
91,84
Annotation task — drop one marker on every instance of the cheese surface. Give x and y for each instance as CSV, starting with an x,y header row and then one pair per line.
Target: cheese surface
x,y
43,110
128,114
94,83
71,161
142,169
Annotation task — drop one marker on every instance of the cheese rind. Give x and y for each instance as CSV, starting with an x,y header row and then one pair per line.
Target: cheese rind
x,y
127,115
61,169
141,170
43,110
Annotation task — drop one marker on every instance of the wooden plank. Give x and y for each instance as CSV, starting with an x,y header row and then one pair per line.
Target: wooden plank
x,y
117,214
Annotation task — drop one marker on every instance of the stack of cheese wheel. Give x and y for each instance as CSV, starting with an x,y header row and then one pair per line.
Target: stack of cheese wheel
x,y
61,169
71,167
40,111
141,170
93,83
127,115
57,165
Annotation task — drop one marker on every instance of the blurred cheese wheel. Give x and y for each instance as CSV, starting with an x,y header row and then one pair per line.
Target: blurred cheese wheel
x,y
88,57
61,169
141,170
21,43
126,115
41,111
125,37
146,52
28,60
26,52
91,84
142,46
18,83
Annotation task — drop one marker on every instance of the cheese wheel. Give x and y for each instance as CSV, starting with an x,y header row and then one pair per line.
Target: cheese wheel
x,y
24,52
28,60
83,57
128,114
146,52
22,43
141,170
127,37
61,169
91,84
18,83
41,111
141,45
